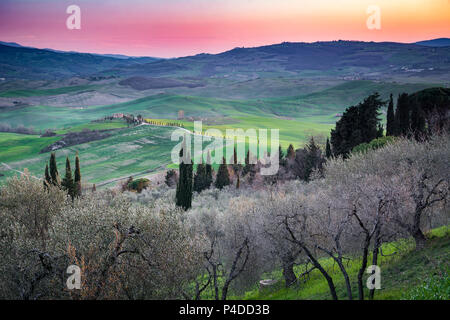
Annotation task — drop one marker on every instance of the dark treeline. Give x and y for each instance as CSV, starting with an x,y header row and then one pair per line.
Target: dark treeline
x,y
419,114
416,115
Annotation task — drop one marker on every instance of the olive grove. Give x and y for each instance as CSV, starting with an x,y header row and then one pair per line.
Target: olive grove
x,y
141,246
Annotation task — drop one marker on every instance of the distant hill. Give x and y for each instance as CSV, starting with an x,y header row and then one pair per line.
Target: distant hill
x,y
10,44
441,42
109,55
20,62
346,60
353,59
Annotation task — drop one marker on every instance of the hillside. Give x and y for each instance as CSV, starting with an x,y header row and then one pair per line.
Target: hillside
x,y
19,62
344,59
441,42
364,60
406,274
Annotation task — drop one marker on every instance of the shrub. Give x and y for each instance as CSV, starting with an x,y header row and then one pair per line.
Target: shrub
x,y
373,145
138,185
434,288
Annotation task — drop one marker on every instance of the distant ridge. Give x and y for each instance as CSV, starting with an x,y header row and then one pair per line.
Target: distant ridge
x,y
108,55
348,60
441,42
10,44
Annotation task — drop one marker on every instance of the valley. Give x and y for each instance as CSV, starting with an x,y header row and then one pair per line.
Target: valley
x,y
298,88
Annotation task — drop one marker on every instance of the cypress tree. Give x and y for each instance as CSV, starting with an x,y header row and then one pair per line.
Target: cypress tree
x,y
179,197
328,149
417,120
223,177
237,168
47,178
77,182
200,178
208,171
313,159
357,125
54,175
390,118
184,186
402,119
247,164
189,179
369,122
250,168
290,152
67,182
281,159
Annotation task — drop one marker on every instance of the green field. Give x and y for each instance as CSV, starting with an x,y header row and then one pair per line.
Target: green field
x,y
15,146
103,125
297,118
128,151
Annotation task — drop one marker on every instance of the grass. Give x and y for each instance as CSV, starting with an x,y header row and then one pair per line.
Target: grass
x,y
403,271
128,151
103,125
297,117
46,92
14,146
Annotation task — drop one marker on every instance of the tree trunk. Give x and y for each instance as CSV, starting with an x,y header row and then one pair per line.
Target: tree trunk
x,y
419,238
363,268
323,271
288,271
347,279
375,256
216,286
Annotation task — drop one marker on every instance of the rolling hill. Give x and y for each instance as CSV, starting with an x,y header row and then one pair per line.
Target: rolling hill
x,y
441,42
363,60
338,59
299,88
19,62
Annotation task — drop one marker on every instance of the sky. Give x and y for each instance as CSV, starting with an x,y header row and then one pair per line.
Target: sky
x,y
174,28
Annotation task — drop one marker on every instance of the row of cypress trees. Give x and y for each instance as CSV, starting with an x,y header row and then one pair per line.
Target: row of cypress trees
x,y
361,124
71,184
407,119
203,178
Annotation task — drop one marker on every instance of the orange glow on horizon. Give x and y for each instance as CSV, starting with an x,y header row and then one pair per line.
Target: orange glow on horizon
x,y
183,27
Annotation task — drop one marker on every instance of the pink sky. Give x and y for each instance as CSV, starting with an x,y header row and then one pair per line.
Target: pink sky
x,y
169,28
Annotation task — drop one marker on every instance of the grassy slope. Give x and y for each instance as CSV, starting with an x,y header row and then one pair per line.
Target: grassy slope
x,y
297,117
128,151
15,146
104,125
403,270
